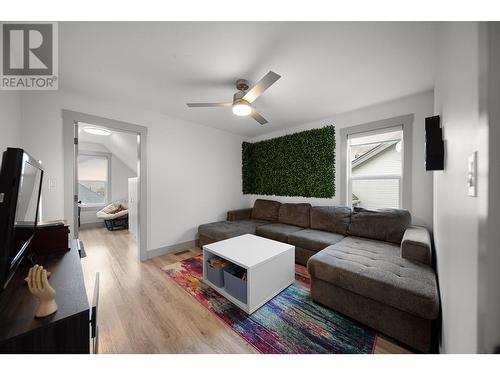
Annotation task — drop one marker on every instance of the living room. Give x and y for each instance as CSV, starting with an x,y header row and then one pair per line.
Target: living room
x,y
291,198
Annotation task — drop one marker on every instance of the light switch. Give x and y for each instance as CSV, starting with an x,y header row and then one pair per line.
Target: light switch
x,y
52,184
472,175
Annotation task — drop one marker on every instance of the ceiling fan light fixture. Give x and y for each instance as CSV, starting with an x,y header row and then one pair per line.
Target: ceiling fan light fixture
x,y
242,100
241,108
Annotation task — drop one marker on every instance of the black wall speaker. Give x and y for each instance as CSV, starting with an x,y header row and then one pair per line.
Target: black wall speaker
x,y
434,145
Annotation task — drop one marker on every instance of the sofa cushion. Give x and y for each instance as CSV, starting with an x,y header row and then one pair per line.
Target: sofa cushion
x,y
416,245
222,230
387,224
276,231
331,218
241,214
312,239
375,270
295,214
264,209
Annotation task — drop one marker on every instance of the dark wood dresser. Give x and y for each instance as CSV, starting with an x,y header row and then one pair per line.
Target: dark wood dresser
x,y
66,331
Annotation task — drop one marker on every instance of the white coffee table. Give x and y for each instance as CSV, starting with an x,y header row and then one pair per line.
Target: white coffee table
x,y
270,267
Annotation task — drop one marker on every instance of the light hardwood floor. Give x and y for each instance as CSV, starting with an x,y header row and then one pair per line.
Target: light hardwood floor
x,y
142,311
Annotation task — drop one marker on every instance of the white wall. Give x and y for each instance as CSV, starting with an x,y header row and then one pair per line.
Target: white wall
x,y
194,172
124,147
489,199
120,173
421,105
121,144
455,213
10,120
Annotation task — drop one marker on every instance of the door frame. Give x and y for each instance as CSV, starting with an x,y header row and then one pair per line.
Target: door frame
x,y
70,119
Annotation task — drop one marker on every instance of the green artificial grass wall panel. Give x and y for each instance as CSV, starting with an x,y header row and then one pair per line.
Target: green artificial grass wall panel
x,y
300,164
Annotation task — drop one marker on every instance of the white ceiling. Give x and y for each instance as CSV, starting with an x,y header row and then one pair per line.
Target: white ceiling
x,y
326,67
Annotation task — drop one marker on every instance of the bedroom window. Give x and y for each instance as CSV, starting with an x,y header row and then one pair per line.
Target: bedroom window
x,y
93,179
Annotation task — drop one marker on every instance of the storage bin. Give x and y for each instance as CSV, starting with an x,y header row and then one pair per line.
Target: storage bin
x,y
234,285
215,275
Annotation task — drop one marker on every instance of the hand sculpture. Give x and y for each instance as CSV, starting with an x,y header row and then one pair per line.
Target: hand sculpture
x,y
40,287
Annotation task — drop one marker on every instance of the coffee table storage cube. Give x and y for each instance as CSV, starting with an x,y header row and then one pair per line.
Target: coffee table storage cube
x,y
234,283
269,266
215,275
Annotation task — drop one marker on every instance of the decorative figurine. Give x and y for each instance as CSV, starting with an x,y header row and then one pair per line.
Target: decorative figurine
x,y
39,286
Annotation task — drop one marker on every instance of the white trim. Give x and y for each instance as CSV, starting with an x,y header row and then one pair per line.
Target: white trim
x,y
376,131
171,249
69,118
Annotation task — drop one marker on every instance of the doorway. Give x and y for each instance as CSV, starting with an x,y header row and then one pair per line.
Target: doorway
x,y
105,177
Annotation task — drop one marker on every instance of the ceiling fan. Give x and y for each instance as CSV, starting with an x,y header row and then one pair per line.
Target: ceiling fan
x,y
243,99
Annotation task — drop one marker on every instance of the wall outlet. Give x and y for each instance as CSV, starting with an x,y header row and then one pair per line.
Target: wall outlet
x,y
472,175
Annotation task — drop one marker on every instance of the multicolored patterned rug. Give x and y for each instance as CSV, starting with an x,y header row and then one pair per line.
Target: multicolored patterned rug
x,y
289,323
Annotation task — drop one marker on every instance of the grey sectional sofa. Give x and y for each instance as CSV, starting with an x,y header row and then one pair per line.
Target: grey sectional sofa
x,y
371,265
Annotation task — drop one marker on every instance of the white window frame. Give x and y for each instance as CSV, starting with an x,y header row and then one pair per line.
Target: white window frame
x,y
405,184
108,197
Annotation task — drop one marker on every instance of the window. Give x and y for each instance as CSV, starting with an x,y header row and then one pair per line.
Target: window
x,y
375,168
93,178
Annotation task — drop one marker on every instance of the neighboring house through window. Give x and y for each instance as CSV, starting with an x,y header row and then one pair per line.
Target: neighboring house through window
x,y
375,175
376,164
94,178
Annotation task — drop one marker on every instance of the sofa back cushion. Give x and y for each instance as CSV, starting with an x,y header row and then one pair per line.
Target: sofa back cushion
x,y
264,209
331,218
295,214
384,224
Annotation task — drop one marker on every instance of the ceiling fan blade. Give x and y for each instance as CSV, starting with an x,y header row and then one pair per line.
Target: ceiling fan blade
x,y
261,86
194,105
257,117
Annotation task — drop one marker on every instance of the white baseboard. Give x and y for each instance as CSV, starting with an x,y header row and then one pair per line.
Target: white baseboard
x,y
171,248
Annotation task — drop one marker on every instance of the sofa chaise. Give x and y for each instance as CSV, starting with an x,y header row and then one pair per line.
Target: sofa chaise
x,y
371,265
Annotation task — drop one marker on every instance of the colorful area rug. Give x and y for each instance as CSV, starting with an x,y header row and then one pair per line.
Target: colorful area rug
x,y
289,323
